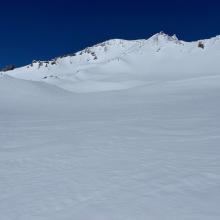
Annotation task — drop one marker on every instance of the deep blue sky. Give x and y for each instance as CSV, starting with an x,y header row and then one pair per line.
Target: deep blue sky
x,y
37,29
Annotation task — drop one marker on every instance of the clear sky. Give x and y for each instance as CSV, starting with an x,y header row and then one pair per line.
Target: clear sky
x,y
41,30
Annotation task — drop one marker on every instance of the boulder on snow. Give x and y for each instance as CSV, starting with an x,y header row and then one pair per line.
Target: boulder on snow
x,y
8,68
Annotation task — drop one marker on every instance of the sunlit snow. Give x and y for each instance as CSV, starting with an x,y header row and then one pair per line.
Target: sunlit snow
x,y
124,130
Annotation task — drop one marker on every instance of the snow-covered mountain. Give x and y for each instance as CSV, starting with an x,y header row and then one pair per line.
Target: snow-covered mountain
x,y
71,148
119,64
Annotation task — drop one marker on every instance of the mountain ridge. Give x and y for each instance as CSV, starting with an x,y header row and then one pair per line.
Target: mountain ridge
x,y
120,64
156,38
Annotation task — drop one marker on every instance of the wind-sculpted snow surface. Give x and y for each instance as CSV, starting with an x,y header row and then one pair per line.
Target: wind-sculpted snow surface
x,y
135,137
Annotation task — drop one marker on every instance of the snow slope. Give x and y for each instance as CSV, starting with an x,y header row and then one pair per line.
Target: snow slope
x,y
134,134
120,64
